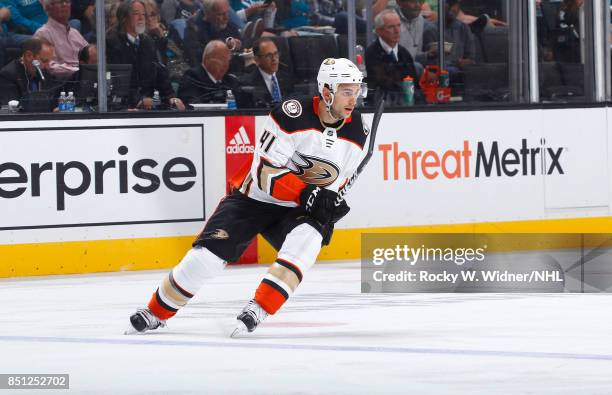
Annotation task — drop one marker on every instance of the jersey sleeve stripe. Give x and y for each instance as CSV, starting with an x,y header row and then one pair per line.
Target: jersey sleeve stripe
x,y
294,131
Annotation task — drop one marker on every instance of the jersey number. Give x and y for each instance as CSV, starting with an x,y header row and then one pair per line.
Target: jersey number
x,y
266,140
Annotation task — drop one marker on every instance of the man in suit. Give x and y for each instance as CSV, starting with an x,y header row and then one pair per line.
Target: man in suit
x,y
128,44
265,86
387,62
208,82
20,78
210,23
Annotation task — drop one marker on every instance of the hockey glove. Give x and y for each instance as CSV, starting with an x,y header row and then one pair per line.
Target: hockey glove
x,y
319,203
340,211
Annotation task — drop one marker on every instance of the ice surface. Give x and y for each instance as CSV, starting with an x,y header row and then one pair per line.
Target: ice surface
x,y
327,339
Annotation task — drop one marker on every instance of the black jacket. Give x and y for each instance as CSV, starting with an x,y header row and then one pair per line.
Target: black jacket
x,y
384,72
147,73
197,87
15,84
254,92
199,32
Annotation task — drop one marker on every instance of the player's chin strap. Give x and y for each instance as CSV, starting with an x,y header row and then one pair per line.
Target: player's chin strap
x,y
328,106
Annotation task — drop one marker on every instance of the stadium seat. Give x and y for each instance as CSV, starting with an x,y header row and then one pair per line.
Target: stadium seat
x,y
487,82
308,52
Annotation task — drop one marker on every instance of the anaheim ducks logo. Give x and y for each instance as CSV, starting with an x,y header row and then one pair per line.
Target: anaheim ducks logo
x,y
313,170
218,234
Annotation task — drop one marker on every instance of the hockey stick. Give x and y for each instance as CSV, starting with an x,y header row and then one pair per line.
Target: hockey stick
x,y
380,106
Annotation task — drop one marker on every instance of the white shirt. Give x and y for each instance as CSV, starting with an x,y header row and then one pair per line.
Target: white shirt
x,y
211,77
387,48
268,79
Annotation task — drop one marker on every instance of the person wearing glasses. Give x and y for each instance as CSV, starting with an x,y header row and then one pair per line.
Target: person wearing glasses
x,y
269,85
66,40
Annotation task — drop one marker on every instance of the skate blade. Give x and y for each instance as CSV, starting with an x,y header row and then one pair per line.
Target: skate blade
x,y
239,330
130,331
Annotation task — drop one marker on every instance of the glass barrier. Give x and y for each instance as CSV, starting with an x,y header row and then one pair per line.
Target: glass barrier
x,y
40,48
474,64
219,54
562,53
196,55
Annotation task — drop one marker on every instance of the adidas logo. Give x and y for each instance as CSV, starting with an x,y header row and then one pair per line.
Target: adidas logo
x,y
240,144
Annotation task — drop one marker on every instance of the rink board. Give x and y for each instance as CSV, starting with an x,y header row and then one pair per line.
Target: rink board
x,y
477,171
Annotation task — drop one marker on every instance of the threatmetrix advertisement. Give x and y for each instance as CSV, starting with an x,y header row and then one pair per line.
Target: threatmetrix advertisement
x,y
489,166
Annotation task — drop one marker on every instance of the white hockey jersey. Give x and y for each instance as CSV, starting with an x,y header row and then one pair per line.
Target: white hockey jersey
x,y
295,149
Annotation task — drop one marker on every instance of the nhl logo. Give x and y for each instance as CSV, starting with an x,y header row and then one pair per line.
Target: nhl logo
x,y
292,108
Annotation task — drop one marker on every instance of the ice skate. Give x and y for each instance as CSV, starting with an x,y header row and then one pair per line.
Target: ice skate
x,y
249,318
143,320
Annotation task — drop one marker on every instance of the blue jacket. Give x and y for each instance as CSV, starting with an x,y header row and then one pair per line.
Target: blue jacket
x,y
28,14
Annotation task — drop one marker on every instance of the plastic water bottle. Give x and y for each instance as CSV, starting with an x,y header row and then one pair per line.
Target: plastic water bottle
x,y
408,89
156,100
61,102
70,102
360,61
230,100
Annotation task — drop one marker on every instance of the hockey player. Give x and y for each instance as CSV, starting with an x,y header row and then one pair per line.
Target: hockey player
x,y
308,150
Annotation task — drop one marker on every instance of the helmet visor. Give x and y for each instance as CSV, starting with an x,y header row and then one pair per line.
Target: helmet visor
x,y
353,90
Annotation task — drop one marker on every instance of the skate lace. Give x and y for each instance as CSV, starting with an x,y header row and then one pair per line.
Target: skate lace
x,y
152,321
256,311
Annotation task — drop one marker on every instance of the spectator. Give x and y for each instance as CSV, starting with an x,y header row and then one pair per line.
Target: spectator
x,y
211,23
208,82
249,10
483,19
333,13
413,26
430,10
270,86
88,54
156,30
110,15
19,78
66,40
84,11
128,44
8,39
178,9
387,62
293,13
566,46
27,15
5,16
457,33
